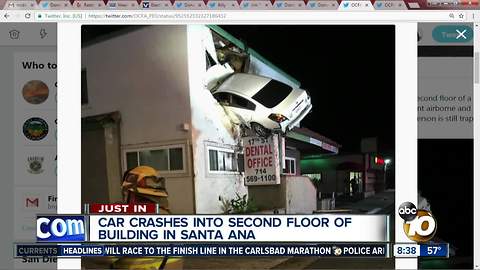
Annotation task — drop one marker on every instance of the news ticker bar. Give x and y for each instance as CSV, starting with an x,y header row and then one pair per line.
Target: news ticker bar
x,y
378,250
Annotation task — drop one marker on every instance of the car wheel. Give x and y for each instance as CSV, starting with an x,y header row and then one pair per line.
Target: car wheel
x,y
260,130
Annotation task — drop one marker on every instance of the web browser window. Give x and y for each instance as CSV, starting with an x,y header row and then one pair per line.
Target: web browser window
x,y
240,134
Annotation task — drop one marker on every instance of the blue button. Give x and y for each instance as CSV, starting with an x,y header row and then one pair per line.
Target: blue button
x,y
452,33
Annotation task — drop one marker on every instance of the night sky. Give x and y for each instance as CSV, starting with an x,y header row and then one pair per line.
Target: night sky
x,y
445,173
348,70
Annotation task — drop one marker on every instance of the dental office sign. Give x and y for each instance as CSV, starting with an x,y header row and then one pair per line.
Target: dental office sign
x,y
262,165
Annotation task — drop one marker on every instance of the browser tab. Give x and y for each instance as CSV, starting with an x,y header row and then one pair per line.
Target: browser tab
x,y
285,4
255,4
12,4
322,4
412,4
126,5
389,5
355,6
59,5
195,4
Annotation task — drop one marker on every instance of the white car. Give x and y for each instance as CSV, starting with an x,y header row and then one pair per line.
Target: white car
x,y
262,103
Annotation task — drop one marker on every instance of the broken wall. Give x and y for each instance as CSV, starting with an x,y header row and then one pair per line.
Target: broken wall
x,y
211,127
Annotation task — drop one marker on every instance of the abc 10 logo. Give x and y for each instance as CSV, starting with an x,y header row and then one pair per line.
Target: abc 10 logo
x,y
419,225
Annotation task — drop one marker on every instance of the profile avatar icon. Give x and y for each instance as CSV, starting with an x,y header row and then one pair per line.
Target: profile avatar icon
x,y
35,92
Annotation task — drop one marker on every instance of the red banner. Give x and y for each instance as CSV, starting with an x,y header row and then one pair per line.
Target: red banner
x,y
119,208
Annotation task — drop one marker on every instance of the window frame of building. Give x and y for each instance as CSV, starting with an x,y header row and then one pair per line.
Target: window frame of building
x,y
225,150
294,162
163,147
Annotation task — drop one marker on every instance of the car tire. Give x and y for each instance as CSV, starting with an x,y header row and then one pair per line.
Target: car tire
x,y
260,130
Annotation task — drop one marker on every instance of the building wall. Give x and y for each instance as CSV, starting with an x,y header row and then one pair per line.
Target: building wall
x,y
294,195
301,195
270,197
210,128
154,78
370,182
333,179
143,74
149,85
99,194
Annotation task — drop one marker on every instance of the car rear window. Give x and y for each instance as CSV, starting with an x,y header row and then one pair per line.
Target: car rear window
x,y
272,94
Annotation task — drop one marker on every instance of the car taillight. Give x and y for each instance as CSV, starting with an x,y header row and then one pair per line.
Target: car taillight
x,y
279,118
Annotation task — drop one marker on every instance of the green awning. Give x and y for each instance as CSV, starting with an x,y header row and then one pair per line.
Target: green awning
x,y
251,51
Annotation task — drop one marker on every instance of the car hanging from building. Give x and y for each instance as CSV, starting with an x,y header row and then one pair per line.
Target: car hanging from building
x,y
262,104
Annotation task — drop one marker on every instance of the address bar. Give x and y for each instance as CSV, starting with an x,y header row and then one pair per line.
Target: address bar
x,y
251,15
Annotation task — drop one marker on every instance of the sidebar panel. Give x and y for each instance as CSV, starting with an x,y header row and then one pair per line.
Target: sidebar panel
x,y
445,132
28,135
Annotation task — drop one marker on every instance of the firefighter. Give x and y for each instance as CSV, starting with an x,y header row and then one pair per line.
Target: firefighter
x,y
143,185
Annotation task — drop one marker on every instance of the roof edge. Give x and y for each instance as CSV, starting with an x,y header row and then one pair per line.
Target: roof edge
x,y
251,51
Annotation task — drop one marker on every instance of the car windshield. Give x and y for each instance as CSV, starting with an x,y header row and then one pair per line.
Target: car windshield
x,y
272,93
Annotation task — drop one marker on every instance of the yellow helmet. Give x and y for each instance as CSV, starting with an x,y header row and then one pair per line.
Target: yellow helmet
x,y
143,177
143,171
142,184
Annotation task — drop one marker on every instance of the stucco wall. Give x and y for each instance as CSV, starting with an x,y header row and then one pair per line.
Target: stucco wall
x,y
269,197
301,195
143,75
294,195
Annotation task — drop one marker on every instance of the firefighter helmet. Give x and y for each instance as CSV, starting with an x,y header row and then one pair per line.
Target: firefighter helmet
x,y
143,177
143,172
